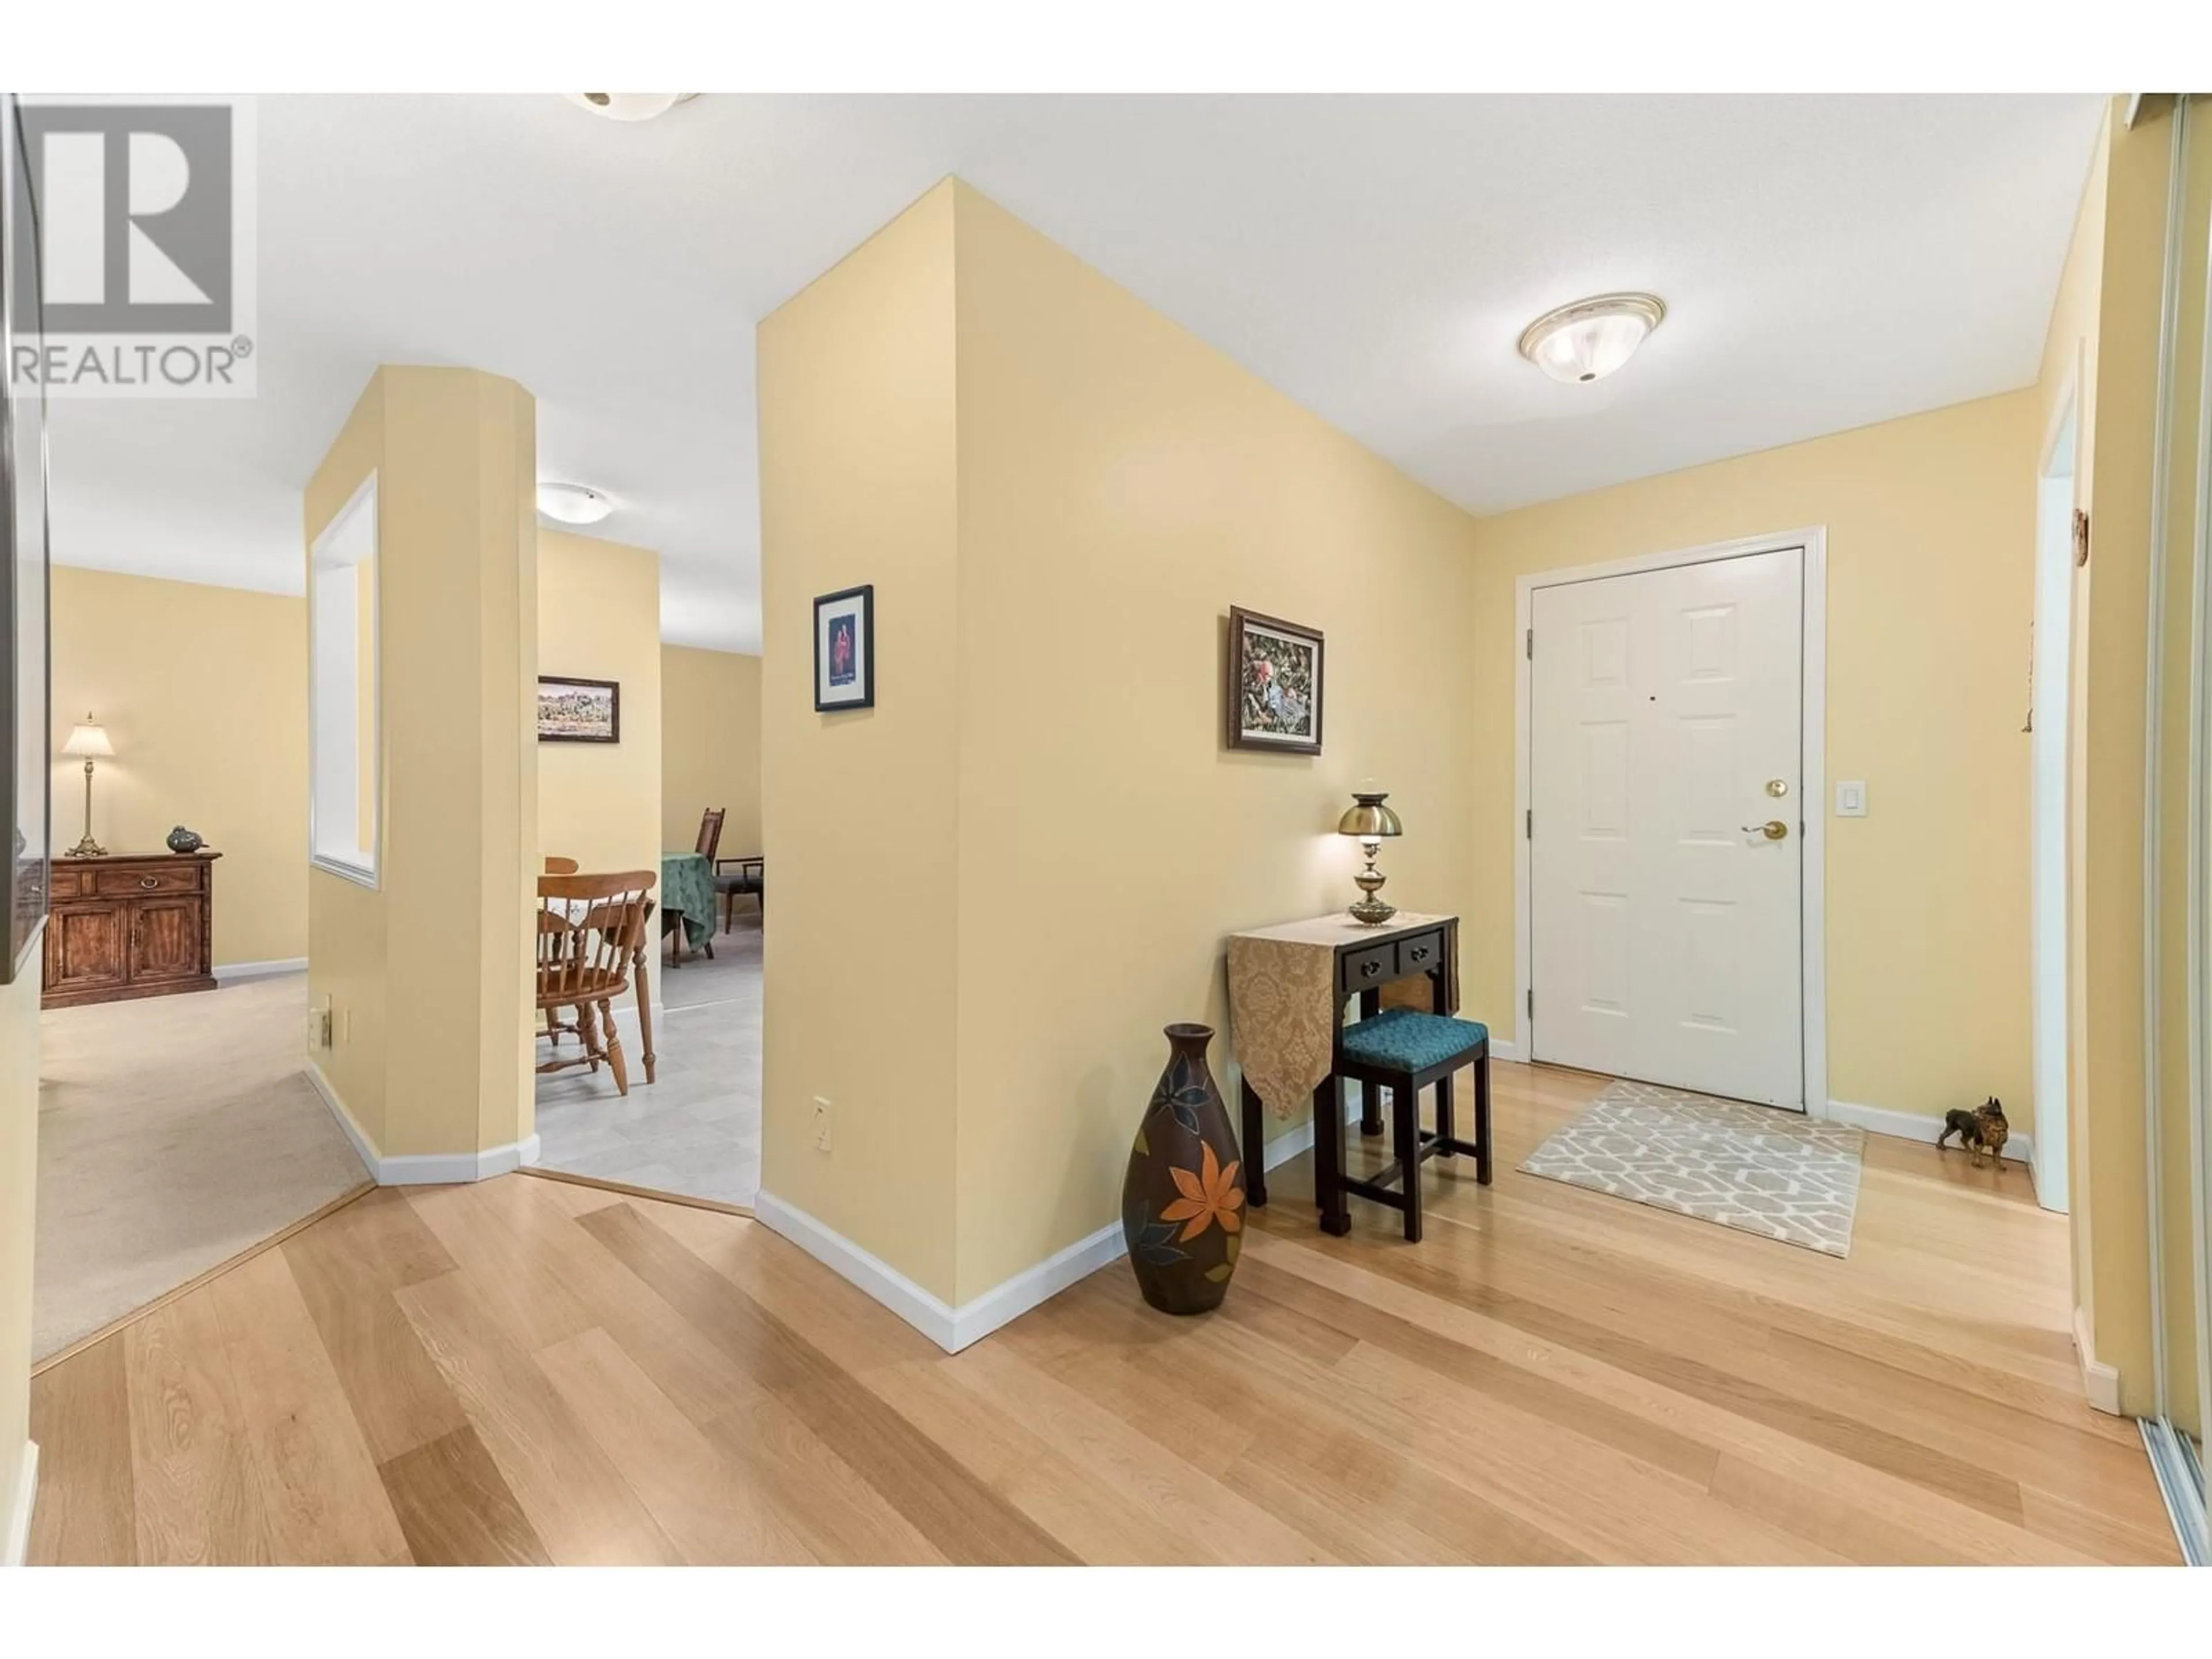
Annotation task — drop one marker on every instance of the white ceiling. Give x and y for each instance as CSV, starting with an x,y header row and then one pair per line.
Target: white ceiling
x,y
1826,261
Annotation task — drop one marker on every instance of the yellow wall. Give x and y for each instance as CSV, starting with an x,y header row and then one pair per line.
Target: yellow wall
x,y
994,889
430,972
2112,627
2176,1219
2069,372
710,746
200,689
1930,536
598,618
858,485
1121,484
19,1162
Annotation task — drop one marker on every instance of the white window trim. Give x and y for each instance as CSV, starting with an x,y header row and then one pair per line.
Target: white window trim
x,y
1813,761
362,499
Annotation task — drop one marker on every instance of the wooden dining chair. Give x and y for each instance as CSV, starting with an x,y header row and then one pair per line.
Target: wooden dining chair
x,y
557,866
710,832
591,930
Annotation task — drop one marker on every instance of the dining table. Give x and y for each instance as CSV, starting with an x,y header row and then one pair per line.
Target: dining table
x,y
687,902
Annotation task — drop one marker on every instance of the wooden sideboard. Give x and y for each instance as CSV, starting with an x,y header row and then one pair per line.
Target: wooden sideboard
x,y
129,925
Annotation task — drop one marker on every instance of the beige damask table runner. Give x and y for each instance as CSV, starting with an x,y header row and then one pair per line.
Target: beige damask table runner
x,y
1283,999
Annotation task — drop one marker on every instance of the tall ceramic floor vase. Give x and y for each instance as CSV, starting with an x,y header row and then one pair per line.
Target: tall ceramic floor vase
x,y
1183,1201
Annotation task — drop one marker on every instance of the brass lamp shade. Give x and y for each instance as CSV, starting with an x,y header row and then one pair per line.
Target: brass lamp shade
x,y
1370,823
1370,818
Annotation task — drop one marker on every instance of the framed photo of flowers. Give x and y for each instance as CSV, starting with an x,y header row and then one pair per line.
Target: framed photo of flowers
x,y
845,650
1274,692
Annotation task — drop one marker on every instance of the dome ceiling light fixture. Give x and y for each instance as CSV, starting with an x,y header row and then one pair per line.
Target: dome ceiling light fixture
x,y
1588,340
573,503
629,105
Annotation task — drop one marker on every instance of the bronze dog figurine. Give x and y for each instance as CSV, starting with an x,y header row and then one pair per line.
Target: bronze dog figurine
x,y
1983,1130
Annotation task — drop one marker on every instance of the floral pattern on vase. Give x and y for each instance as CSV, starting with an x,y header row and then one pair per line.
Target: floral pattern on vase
x,y
1182,1199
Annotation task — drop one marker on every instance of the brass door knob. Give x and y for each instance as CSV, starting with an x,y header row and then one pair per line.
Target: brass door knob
x,y
1773,830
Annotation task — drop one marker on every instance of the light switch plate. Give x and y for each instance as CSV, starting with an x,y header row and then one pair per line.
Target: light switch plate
x,y
1851,798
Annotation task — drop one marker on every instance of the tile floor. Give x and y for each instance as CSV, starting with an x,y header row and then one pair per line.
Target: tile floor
x,y
697,1129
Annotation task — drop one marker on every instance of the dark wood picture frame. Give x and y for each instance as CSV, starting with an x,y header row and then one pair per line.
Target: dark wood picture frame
x,y
612,688
865,698
1240,621
27,814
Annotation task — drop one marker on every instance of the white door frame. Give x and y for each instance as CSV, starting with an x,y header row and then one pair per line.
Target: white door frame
x,y
2051,1166
1812,770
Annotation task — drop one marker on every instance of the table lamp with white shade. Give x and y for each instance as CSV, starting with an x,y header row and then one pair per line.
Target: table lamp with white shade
x,y
89,739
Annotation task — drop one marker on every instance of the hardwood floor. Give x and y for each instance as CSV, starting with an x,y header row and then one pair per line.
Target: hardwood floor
x,y
528,1370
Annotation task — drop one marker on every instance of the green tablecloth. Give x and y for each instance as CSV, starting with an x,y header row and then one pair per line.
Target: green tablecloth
x,y
687,889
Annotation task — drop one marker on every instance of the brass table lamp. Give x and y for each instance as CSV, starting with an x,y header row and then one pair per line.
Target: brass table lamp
x,y
1369,821
89,739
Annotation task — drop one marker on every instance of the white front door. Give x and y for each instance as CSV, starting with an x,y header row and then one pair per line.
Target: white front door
x,y
1664,739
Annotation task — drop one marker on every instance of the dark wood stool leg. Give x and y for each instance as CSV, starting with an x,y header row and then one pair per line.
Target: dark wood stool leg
x,y
1405,1111
1482,1117
1328,1157
1253,1146
1370,1102
1444,1134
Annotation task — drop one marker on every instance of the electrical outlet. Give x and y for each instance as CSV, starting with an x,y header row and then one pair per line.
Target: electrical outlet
x,y
821,1124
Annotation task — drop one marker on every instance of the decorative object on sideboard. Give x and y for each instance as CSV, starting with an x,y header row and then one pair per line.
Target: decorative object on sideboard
x,y
845,649
1182,1199
1371,822
578,711
182,839
89,739
1274,691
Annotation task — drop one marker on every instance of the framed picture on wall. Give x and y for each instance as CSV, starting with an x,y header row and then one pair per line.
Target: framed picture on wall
x,y
578,711
845,650
1274,691
26,687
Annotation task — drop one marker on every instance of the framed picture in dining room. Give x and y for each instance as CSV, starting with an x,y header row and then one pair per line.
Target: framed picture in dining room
x,y
845,650
578,711
1274,695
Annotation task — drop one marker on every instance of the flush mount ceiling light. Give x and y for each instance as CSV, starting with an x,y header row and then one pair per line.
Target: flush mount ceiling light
x,y
573,503
629,105
1590,338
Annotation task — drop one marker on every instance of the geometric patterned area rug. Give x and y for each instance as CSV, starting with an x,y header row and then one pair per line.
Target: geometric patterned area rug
x,y
1780,1175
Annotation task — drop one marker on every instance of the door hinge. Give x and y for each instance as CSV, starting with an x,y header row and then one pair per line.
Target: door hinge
x,y
1532,1002
1531,645
1528,824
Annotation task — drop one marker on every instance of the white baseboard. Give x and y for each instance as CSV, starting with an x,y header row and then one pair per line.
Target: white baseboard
x,y
16,1545
421,1169
974,1320
1511,1051
2100,1382
230,973
953,1328
1911,1126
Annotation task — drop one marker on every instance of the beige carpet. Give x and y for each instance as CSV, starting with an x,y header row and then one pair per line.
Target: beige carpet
x,y
174,1133
1780,1175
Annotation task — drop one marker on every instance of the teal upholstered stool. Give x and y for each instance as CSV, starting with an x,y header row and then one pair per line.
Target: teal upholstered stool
x,y
1405,1052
